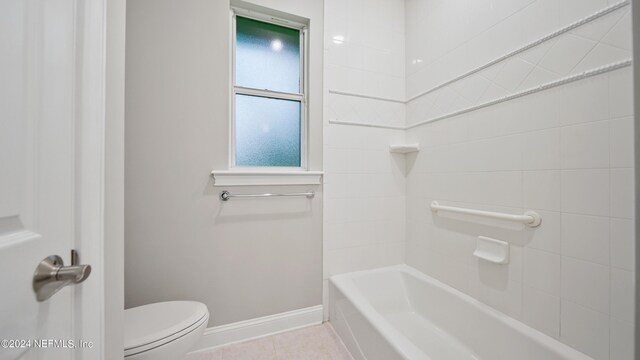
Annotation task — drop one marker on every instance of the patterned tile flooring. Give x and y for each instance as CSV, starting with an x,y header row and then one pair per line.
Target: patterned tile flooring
x,y
311,343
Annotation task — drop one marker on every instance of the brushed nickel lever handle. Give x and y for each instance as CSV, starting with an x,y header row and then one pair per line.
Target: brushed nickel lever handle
x,y
51,275
74,273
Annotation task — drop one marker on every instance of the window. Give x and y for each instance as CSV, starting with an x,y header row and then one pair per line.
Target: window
x,y
269,110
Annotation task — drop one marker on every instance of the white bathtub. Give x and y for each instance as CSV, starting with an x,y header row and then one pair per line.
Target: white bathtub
x,y
401,313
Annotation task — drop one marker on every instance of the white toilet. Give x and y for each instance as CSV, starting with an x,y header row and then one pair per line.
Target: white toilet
x,y
163,331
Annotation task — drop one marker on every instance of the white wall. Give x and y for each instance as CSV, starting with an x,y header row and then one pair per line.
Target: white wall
x,y
636,82
114,186
565,152
364,220
243,259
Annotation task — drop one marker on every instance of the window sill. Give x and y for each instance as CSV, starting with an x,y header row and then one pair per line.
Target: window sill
x,y
256,178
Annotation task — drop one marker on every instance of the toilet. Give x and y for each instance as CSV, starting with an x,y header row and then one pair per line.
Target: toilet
x,y
163,331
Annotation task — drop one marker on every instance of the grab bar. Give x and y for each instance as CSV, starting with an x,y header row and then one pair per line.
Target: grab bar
x,y
530,218
225,195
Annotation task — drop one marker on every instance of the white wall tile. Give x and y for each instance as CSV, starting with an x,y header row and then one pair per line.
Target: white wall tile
x,y
364,210
335,161
583,101
620,36
548,235
584,329
601,54
622,193
539,111
506,297
622,294
621,93
541,271
622,244
566,53
621,340
585,147
597,29
541,311
574,10
571,137
541,189
538,19
621,142
585,192
565,153
541,150
586,283
513,73
536,77
586,237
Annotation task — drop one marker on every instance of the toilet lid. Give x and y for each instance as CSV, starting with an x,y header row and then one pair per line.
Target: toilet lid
x,y
151,323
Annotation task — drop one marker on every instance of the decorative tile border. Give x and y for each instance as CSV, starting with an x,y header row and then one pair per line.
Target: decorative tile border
x,y
549,85
344,93
371,125
533,44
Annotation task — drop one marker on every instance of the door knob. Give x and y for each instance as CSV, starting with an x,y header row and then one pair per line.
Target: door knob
x,y
51,275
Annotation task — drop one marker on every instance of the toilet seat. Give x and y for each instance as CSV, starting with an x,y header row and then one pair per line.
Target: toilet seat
x,y
150,326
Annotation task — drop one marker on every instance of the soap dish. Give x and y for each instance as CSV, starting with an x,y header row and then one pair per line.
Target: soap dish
x,y
492,250
404,149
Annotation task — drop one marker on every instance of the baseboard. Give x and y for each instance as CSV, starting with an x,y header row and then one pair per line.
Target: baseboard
x,y
255,328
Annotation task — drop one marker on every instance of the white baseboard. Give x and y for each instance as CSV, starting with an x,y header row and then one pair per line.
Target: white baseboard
x,y
255,328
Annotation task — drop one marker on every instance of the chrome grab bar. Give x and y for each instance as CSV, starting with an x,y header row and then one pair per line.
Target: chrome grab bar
x,y
530,218
225,195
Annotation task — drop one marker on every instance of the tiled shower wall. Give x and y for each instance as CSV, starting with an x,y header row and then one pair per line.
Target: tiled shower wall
x,y
532,131
509,118
364,185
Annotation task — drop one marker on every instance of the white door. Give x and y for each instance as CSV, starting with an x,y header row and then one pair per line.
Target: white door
x,y
42,126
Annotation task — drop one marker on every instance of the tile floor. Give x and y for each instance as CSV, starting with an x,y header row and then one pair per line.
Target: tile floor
x,y
312,343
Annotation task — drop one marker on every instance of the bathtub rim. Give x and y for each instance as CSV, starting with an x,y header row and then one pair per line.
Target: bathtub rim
x,y
345,284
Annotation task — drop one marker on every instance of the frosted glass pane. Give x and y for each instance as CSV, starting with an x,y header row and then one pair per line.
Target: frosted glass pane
x,y
267,132
267,56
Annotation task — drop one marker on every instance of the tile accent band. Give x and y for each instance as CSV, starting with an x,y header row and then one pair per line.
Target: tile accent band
x,y
592,17
344,93
533,44
549,85
392,127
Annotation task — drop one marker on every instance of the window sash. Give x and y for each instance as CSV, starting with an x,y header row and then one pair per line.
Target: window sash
x,y
241,90
268,93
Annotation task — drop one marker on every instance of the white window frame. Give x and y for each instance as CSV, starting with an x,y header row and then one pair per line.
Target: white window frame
x,y
301,97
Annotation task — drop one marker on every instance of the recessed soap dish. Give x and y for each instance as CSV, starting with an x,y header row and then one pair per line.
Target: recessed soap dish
x,y
404,149
492,250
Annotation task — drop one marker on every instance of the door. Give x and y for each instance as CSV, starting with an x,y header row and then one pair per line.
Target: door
x,y
43,123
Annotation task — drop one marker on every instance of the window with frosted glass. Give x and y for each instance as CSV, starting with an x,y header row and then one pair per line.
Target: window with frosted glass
x,y
268,94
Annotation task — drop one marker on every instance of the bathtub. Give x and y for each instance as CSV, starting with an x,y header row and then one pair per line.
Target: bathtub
x,y
400,313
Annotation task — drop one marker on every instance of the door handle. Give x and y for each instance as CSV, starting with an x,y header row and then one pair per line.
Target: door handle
x,y
51,275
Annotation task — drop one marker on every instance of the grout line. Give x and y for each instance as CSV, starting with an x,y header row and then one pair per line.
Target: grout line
x,y
588,307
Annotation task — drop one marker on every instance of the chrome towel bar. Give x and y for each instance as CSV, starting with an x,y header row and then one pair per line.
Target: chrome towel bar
x,y
530,218
225,195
